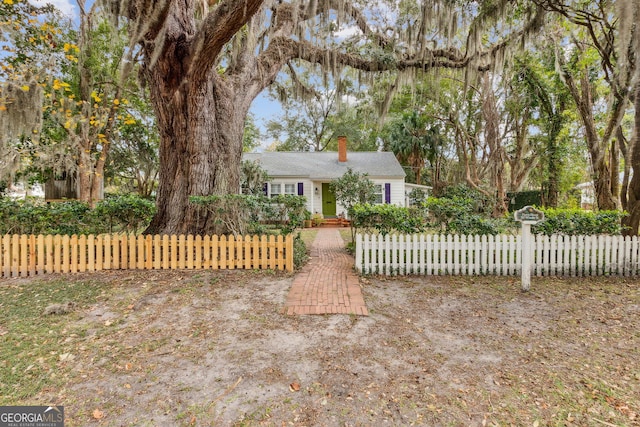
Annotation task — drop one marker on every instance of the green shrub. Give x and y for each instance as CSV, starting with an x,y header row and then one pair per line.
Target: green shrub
x,y
8,210
520,199
386,218
299,252
579,222
461,215
69,217
476,224
286,210
235,213
418,196
37,217
126,213
242,214
476,201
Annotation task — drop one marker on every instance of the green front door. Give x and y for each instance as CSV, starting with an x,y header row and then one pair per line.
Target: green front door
x,y
328,201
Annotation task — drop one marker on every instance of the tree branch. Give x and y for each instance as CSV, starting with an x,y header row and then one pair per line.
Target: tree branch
x,y
219,26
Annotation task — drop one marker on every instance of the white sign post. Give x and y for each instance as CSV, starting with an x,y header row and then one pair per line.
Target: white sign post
x,y
527,216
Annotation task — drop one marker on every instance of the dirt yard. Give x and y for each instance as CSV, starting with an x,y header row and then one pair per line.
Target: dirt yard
x,y
194,348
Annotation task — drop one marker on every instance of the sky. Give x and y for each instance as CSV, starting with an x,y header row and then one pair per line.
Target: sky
x,y
67,7
265,109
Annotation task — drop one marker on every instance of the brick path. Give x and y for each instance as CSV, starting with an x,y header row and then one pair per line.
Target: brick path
x,y
327,284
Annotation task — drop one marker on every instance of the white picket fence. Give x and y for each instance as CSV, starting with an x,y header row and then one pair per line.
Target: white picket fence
x,y
555,255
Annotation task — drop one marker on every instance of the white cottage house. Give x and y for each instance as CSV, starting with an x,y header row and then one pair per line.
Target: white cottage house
x,y
310,173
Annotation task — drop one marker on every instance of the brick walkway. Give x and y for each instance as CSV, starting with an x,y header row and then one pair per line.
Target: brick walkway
x,y
327,284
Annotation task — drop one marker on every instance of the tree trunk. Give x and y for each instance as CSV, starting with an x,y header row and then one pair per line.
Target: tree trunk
x,y
614,161
89,183
201,102
624,148
91,176
632,221
554,162
597,146
496,154
200,125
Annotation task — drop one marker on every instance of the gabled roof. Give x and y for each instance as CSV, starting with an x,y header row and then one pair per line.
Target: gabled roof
x,y
325,165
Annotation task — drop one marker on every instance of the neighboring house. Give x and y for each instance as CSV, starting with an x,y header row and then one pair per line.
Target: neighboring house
x,y
21,190
408,189
587,195
588,192
310,173
65,186
61,187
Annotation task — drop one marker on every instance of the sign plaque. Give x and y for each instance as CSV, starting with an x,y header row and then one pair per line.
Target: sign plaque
x,y
529,214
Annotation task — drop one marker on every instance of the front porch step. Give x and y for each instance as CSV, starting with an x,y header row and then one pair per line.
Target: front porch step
x,y
335,222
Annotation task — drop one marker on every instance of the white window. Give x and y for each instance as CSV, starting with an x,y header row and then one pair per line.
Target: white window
x,y
379,193
290,189
275,190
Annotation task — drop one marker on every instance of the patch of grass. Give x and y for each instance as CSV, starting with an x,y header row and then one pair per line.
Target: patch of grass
x,y
345,233
36,349
308,236
254,418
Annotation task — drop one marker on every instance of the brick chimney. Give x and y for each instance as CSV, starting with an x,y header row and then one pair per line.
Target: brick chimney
x,y
342,149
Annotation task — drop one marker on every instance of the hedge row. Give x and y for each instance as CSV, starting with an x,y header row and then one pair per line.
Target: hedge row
x,y
460,216
127,213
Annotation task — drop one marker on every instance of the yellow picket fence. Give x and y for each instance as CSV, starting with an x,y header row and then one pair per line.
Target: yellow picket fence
x,y
29,255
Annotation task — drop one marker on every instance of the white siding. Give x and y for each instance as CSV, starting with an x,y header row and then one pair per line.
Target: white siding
x,y
397,193
397,189
307,188
314,201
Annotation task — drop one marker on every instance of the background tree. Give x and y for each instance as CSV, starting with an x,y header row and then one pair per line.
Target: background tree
x,y
549,99
629,15
316,112
132,165
251,135
30,40
353,188
253,178
74,94
416,139
595,50
87,103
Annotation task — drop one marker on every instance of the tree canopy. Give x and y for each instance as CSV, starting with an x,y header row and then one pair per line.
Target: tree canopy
x,y
462,91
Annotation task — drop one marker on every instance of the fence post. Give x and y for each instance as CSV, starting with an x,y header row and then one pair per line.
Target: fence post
x,y
359,253
526,256
527,216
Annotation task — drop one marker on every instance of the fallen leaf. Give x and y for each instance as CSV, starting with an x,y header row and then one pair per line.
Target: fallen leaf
x,y
294,386
97,414
127,386
66,357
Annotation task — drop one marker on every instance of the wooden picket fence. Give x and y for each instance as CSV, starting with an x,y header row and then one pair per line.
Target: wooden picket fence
x,y
555,255
29,255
